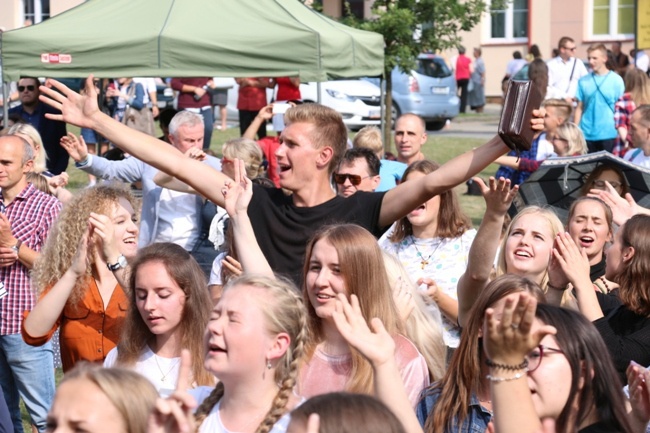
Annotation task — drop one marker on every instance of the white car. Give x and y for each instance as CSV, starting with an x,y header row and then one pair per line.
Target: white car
x,y
358,101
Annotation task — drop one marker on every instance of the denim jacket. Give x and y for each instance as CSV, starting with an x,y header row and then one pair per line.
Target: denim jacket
x,y
477,416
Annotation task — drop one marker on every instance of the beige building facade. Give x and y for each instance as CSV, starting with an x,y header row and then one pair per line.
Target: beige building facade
x,y
527,22
15,14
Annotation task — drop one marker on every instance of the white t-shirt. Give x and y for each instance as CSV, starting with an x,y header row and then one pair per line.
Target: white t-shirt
x,y
637,157
559,73
161,372
213,424
178,220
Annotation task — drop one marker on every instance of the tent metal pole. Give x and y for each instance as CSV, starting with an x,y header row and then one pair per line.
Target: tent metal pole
x,y
5,89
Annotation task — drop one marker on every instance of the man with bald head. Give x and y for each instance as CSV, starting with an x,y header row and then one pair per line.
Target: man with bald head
x,y
410,135
26,216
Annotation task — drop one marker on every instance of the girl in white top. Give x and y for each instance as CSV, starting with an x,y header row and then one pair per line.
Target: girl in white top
x,y
254,342
432,242
168,311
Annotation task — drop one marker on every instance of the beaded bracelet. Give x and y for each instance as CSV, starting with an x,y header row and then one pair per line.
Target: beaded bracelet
x,y
507,379
522,366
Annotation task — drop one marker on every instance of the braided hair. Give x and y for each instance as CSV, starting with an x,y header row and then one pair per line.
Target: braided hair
x,y
284,312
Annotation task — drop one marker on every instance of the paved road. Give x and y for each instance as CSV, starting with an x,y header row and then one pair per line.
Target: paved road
x,y
473,125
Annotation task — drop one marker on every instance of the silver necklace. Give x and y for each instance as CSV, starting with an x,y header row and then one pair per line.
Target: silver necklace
x,y
164,375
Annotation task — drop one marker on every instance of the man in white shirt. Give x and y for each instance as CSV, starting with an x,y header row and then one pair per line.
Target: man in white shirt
x,y
564,71
641,60
640,137
150,93
167,216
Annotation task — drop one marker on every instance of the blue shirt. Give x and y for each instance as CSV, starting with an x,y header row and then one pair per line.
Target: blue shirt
x,y
477,417
598,94
391,173
518,177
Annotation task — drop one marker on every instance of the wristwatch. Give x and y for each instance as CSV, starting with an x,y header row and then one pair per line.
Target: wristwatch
x,y
121,263
16,247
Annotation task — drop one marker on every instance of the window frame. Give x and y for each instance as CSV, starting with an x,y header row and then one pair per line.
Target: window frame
x,y
37,15
509,26
613,21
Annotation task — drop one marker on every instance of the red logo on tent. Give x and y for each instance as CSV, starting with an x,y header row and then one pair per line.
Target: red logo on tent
x,y
56,58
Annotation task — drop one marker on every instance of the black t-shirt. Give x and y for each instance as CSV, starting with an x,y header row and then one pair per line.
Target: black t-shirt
x,y
283,229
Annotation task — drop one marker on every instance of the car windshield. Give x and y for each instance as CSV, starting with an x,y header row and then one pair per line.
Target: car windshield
x,y
435,68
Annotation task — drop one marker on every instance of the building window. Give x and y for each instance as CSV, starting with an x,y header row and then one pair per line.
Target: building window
x,y
353,7
612,19
509,24
36,10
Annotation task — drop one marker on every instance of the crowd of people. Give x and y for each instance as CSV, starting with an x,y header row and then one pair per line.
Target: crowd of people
x,y
305,283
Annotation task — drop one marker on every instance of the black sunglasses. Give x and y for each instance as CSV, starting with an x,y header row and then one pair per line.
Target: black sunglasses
x,y
355,179
23,88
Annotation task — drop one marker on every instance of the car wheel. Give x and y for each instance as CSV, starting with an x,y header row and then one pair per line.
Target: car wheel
x,y
436,125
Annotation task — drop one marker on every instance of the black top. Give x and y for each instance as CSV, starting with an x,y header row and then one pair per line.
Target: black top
x,y
283,229
598,270
627,336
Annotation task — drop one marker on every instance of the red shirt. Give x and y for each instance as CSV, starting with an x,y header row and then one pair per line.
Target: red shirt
x,y
462,67
252,98
269,145
286,90
186,99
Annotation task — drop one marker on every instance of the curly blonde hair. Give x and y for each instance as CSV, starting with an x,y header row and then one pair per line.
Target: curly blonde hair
x,y
61,245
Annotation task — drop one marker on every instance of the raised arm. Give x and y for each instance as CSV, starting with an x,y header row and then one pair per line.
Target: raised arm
x,y
498,198
408,195
507,341
237,194
83,111
265,114
378,346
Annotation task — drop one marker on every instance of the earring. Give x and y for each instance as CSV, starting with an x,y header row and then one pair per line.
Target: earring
x,y
268,364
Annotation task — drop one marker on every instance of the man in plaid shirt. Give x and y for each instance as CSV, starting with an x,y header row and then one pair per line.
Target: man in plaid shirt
x,y
26,216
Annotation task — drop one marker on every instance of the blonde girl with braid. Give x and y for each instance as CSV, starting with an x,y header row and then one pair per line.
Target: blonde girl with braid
x,y
254,341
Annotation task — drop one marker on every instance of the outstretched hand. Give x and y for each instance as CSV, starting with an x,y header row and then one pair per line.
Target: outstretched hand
x,y
509,340
572,260
76,147
638,380
237,193
79,263
78,109
498,195
623,208
175,414
104,231
375,344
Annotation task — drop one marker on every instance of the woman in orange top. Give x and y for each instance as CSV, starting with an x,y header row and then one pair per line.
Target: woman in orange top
x,y
79,276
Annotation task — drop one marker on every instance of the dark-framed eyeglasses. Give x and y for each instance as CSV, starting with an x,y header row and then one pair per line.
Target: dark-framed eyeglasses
x,y
355,179
535,357
570,48
29,88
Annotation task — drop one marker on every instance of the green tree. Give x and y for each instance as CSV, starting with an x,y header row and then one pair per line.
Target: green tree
x,y
411,27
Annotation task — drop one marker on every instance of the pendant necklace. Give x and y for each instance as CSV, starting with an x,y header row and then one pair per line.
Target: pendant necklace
x,y
424,261
164,375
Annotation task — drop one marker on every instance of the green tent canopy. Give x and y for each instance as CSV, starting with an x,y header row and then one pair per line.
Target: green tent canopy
x,y
191,38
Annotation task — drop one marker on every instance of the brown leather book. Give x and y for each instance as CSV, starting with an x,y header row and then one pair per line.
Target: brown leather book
x,y
522,97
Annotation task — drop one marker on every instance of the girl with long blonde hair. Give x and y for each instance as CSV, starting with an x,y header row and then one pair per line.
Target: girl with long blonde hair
x,y
168,310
